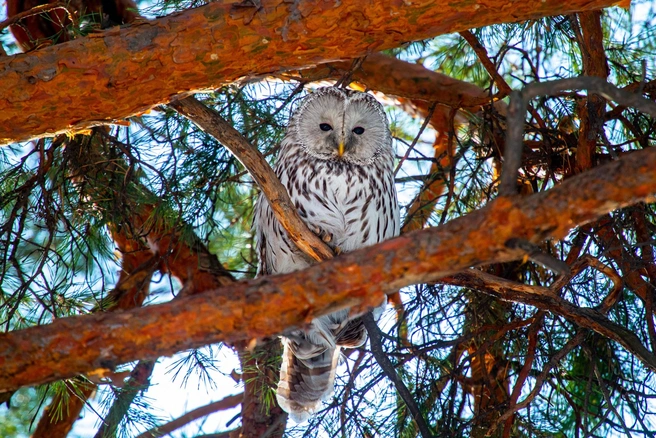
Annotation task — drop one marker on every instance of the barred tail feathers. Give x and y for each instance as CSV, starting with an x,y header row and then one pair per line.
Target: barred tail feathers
x,y
304,383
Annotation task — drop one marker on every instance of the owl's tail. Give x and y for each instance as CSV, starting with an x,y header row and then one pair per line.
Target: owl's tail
x,y
309,361
304,383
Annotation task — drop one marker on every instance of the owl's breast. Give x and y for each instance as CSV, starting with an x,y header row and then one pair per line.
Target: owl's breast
x,y
356,205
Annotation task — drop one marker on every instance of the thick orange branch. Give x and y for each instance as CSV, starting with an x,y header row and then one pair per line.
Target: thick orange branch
x,y
127,70
404,79
269,305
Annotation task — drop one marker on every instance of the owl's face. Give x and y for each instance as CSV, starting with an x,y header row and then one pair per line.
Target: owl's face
x,y
337,124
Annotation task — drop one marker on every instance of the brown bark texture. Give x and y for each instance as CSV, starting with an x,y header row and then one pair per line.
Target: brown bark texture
x,y
127,70
400,78
242,311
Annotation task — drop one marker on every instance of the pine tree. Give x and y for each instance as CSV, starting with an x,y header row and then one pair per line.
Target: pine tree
x,y
526,290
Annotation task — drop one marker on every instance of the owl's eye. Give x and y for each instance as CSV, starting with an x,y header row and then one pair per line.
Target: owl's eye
x,y
325,127
358,130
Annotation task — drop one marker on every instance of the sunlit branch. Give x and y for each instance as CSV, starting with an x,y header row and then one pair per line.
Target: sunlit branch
x,y
127,70
283,208
242,311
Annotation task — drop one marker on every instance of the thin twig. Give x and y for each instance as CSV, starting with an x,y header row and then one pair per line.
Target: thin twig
x,y
390,372
536,326
545,299
540,379
225,403
491,69
36,11
431,110
604,390
345,80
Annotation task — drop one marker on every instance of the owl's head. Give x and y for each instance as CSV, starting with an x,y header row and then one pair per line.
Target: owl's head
x,y
338,124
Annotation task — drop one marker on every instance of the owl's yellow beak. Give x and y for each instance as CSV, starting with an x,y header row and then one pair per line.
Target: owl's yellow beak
x,y
340,148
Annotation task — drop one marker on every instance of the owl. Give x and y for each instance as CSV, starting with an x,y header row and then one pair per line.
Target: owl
x,y
336,161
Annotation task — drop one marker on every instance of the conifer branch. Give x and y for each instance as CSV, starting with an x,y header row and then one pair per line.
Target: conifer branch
x,y
283,208
545,299
127,70
519,104
243,311
225,403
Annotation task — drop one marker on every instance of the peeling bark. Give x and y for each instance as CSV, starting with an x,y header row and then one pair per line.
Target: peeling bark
x,y
127,70
242,311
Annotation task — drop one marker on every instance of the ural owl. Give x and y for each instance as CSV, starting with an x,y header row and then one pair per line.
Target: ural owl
x,y
336,161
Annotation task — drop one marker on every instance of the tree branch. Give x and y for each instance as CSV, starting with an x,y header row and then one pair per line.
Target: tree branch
x,y
242,311
404,79
481,52
253,160
225,403
519,103
546,299
127,70
540,379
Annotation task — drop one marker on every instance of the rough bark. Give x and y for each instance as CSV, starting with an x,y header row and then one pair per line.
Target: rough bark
x,y
242,311
127,70
400,78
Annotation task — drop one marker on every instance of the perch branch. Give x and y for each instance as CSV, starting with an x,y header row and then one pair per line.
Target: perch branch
x,y
253,160
242,311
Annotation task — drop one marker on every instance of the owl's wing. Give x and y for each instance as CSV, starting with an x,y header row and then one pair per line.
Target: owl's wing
x,y
352,334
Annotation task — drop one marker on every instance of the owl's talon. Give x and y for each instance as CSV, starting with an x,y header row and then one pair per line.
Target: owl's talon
x,y
321,234
337,250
